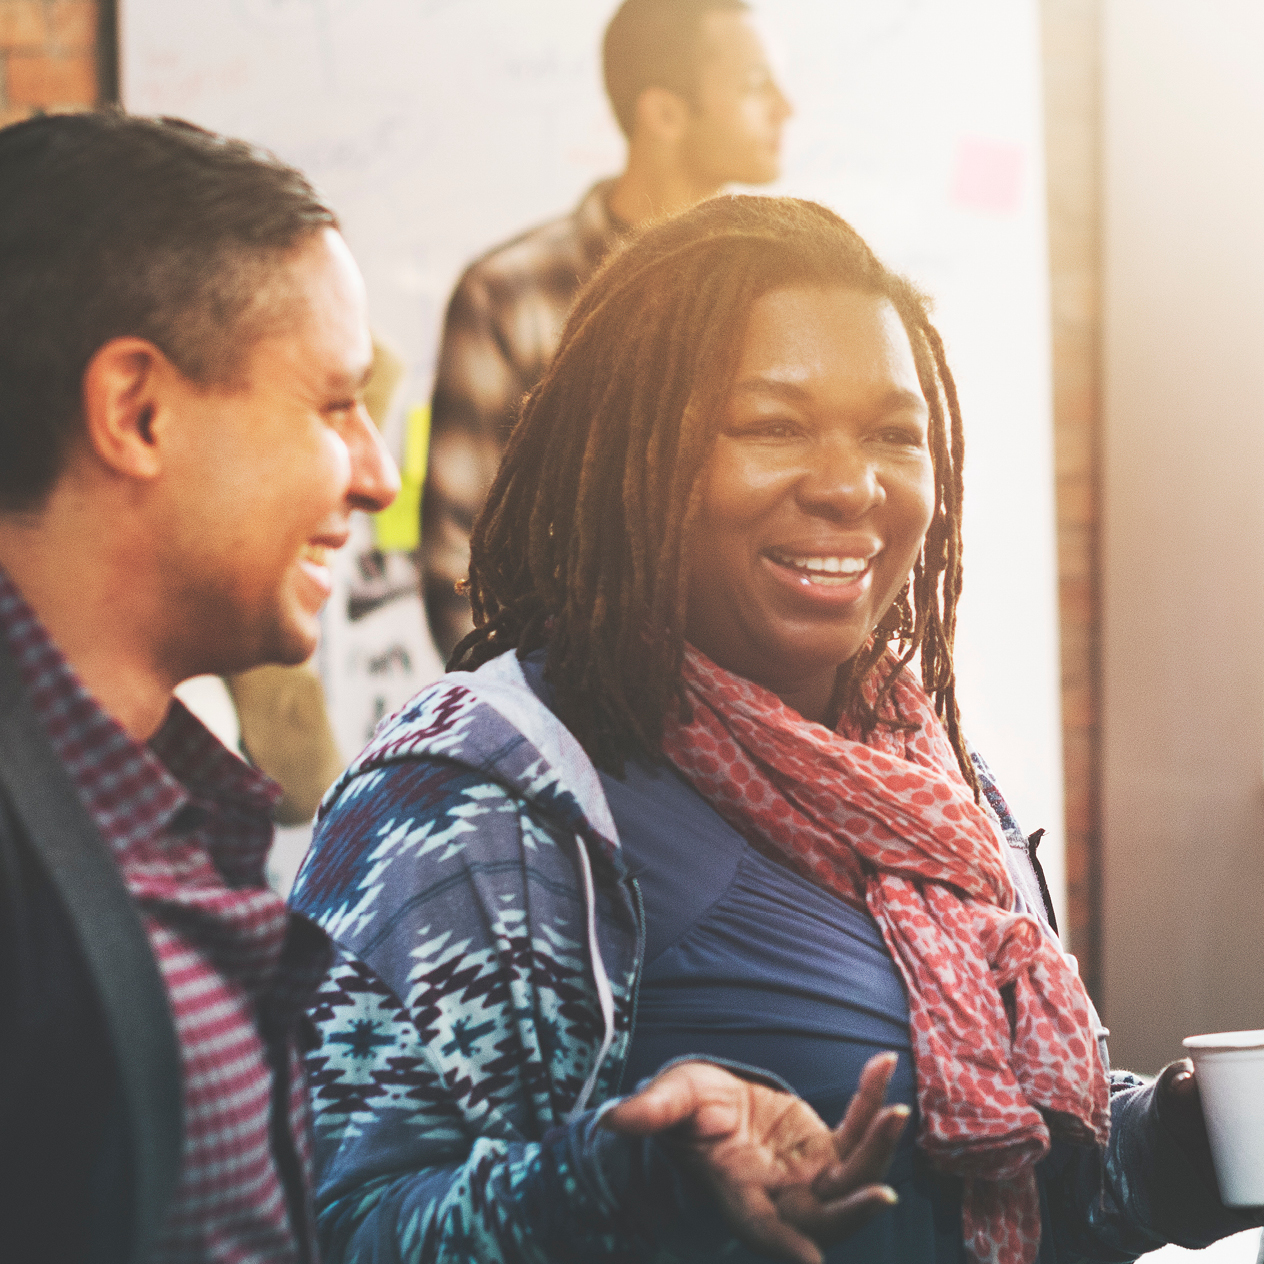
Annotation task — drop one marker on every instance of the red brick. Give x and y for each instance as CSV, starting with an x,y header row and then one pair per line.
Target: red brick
x,y
43,81
22,24
73,24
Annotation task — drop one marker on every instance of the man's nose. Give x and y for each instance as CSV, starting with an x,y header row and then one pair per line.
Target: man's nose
x,y
374,476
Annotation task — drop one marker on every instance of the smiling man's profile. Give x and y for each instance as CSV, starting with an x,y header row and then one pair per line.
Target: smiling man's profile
x,y
182,346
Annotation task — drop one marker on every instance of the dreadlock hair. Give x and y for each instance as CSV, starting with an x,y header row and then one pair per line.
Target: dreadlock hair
x,y
583,543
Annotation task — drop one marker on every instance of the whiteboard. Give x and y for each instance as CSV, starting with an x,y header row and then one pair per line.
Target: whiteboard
x,y
438,128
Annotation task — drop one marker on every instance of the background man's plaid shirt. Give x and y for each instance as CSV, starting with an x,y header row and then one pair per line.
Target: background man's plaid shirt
x,y
502,327
190,826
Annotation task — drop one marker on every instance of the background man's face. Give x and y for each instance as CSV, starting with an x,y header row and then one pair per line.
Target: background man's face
x,y
269,471
735,129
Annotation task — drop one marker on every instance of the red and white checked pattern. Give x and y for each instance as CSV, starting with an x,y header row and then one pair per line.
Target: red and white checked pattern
x,y
190,826
1000,1023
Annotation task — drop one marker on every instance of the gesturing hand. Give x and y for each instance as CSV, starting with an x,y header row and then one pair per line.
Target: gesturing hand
x,y
786,1183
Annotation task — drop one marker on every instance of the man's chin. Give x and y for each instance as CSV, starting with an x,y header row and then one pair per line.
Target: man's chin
x,y
289,645
295,651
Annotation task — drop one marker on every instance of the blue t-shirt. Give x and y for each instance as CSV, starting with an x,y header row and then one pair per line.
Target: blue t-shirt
x,y
746,960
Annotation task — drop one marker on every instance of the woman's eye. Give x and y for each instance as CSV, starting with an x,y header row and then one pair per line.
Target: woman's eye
x,y
902,436
769,428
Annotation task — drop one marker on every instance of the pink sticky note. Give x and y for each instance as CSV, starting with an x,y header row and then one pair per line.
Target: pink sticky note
x,y
987,176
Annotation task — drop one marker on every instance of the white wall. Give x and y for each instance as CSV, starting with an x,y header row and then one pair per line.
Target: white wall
x,y
1183,577
438,127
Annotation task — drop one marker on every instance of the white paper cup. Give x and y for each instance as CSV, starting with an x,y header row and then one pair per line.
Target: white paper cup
x,y
1229,1066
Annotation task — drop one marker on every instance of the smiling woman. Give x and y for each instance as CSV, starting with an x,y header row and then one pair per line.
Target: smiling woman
x,y
697,798
816,496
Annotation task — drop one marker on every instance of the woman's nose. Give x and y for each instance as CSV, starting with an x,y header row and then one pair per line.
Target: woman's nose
x,y
842,482
374,476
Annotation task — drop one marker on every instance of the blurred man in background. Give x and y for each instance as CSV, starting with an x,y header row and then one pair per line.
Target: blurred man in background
x,y
691,87
182,440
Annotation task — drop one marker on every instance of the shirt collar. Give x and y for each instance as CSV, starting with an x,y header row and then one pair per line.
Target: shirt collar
x,y
133,792
599,228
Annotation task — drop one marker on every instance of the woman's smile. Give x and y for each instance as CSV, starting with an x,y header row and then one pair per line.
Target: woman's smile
x,y
817,494
821,576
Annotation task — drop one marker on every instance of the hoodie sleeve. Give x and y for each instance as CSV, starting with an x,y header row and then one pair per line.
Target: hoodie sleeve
x,y
1143,1191
390,1191
455,1029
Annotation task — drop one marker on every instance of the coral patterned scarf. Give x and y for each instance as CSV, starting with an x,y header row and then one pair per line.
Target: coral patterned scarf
x,y
1000,1027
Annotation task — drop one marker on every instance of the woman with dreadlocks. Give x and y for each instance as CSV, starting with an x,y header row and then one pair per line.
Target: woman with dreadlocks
x,y
694,819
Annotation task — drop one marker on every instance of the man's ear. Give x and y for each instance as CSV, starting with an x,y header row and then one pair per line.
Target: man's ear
x,y
124,405
661,115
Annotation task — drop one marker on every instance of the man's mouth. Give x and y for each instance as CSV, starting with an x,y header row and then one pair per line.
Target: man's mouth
x,y
828,571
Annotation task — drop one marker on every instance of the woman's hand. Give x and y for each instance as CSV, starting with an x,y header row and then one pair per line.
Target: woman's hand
x,y
1180,1108
786,1183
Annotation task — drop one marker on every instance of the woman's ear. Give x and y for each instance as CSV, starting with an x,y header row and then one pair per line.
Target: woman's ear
x,y
124,406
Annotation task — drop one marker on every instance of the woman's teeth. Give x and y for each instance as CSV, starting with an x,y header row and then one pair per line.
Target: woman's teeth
x,y
316,553
825,570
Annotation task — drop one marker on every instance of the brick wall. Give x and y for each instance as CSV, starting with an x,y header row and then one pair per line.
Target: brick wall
x,y
1072,129
50,56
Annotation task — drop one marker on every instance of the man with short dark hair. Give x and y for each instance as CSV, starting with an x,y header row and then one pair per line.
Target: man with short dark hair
x,y
182,346
690,85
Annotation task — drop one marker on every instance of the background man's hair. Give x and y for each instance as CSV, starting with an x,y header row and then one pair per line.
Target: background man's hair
x,y
114,226
655,43
583,545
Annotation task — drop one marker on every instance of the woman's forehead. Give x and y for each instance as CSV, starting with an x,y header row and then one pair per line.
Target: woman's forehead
x,y
799,335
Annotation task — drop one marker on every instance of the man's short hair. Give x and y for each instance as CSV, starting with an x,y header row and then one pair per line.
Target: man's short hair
x,y
113,226
655,43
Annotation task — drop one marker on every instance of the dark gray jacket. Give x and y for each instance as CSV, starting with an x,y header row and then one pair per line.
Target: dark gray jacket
x,y
90,1094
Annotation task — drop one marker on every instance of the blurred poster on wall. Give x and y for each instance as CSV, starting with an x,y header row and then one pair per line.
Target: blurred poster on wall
x,y
439,128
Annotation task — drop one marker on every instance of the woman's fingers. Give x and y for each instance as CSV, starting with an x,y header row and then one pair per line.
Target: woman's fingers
x,y
832,1220
761,1225
865,1141
865,1102
1180,1105
786,1182
870,1160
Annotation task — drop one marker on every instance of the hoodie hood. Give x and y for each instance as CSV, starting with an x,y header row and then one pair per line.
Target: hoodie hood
x,y
491,721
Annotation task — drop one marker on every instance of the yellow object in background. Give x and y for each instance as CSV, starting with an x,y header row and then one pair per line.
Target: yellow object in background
x,y
397,529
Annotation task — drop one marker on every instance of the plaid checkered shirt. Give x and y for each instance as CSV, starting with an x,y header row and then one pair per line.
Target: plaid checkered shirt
x,y
190,826
502,327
